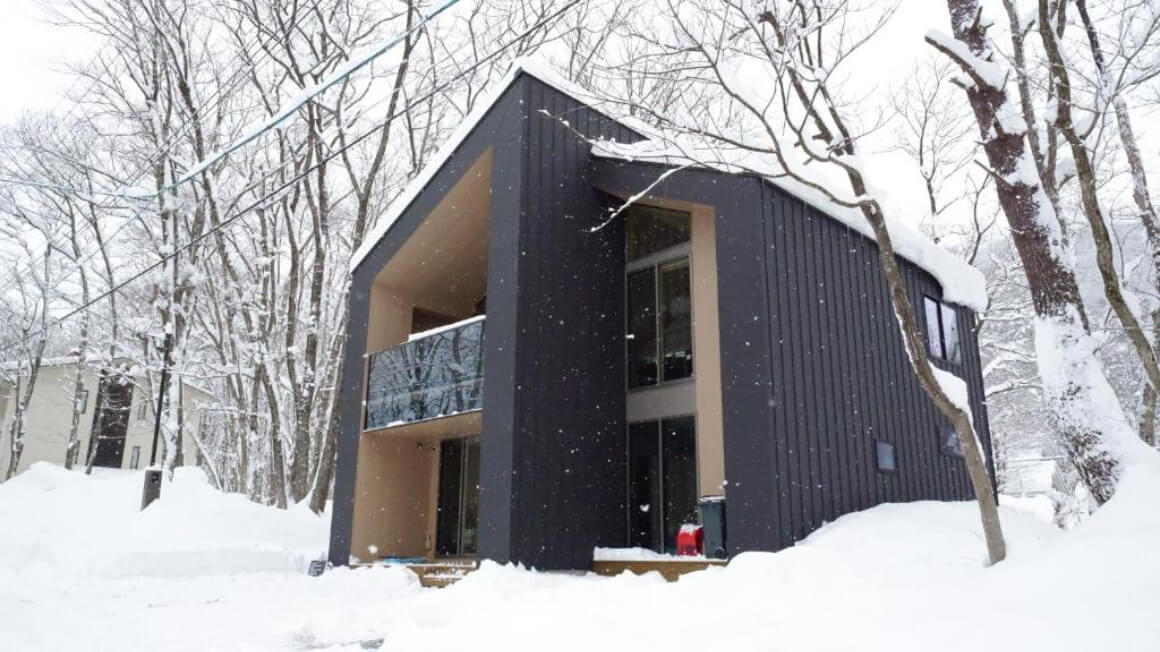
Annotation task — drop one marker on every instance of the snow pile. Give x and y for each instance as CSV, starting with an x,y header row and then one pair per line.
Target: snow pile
x,y
93,525
896,577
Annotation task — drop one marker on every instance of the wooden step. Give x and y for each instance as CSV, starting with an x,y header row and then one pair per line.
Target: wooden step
x,y
439,574
670,569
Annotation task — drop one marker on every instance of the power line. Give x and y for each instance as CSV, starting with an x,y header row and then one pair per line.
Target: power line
x,y
69,189
292,181
305,97
270,123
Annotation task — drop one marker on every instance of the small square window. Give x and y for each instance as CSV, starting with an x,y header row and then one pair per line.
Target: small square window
x,y
885,454
951,444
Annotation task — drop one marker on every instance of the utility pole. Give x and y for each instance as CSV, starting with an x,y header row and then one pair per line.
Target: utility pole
x,y
165,364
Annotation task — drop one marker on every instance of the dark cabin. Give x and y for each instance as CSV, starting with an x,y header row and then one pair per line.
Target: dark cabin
x,y
524,385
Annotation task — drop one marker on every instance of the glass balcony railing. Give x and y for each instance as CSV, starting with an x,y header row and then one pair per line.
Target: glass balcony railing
x,y
434,374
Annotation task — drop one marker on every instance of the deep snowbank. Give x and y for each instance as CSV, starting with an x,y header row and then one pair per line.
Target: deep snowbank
x,y
92,525
897,577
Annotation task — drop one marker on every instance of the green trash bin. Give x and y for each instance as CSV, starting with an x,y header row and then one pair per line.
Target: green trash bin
x,y
713,521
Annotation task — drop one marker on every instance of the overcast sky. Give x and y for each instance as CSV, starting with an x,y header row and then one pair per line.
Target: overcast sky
x,y
34,54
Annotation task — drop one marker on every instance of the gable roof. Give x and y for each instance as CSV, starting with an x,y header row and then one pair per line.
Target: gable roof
x,y
961,283
536,68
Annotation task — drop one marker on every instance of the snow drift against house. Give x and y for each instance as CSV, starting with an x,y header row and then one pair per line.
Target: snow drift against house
x,y
899,575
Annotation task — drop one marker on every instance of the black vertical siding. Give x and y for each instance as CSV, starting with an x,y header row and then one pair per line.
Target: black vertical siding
x,y
813,367
501,128
841,377
568,461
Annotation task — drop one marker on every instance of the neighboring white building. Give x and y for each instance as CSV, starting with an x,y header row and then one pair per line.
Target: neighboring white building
x,y
48,421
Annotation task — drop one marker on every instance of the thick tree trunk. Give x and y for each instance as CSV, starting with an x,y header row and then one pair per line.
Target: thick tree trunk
x,y
1082,403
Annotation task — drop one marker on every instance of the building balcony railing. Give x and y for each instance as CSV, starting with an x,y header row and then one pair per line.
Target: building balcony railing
x,y
437,373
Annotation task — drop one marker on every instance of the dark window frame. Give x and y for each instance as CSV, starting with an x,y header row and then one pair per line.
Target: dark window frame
x,y
662,515
878,460
675,255
949,449
939,329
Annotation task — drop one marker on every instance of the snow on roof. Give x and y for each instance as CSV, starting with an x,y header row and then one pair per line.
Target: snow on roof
x,y
961,283
532,66
58,361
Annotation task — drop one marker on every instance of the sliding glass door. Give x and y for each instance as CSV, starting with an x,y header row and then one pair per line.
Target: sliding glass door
x,y
458,519
662,481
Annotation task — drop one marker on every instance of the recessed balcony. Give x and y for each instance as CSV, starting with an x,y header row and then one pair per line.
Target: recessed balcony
x,y
434,374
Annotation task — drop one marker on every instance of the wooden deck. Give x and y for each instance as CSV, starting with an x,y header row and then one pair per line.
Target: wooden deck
x,y
436,573
670,569
445,572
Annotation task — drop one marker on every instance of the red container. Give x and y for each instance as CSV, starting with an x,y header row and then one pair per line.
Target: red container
x,y
690,540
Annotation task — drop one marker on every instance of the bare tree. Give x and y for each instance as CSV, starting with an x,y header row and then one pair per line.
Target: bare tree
x,y
1086,411
783,118
933,129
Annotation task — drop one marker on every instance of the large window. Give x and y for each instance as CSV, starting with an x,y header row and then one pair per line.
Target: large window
x,y
660,316
648,230
942,330
662,488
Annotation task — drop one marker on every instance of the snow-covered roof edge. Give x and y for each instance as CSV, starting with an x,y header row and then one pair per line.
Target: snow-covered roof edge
x,y
532,66
961,283
93,362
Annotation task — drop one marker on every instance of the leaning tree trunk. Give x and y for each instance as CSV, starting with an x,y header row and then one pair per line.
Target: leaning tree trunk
x,y
1082,403
1090,202
834,132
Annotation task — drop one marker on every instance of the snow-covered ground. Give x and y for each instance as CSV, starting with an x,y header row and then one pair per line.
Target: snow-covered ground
x,y
82,569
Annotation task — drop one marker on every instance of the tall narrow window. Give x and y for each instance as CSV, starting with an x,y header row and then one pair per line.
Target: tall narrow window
x,y
135,458
942,330
642,328
676,317
659,301
662,486
644,486
950,330
679,477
